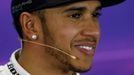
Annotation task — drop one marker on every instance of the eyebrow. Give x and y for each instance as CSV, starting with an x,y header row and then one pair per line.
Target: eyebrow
x,y
98,8
81,9
75,9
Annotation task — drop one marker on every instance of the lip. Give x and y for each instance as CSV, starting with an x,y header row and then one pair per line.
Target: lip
x,y
89,50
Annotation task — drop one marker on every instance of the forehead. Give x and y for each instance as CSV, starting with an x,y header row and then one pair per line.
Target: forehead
x,y
89,4
86,3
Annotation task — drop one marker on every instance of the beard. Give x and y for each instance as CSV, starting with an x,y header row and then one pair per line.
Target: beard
x,y
63,59
78,68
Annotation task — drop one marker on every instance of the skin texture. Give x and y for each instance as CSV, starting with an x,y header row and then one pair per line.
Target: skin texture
x,y
64,28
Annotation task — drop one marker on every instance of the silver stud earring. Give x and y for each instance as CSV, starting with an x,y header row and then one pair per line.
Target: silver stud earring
x,y
34,37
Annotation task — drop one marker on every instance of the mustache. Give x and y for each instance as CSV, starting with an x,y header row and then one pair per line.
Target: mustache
x,y
93,39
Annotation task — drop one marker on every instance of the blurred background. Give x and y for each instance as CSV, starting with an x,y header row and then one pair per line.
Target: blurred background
x,y
115,53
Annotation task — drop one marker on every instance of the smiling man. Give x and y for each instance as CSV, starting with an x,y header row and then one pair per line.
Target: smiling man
x,y
59,37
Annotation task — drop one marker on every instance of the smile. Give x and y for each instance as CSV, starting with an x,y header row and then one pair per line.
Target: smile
x,y
88,48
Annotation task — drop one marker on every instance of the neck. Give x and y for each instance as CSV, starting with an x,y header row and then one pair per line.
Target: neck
x,y
37,62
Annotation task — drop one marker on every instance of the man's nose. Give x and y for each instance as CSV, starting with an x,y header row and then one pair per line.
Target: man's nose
x,y
91,28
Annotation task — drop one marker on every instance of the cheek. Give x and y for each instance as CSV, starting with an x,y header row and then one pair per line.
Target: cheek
x,y
61,30
68,31
65,34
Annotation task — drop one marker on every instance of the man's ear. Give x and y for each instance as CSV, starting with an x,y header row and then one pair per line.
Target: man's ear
x,y
28,25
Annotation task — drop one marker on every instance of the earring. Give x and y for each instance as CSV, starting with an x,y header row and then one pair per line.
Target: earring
x,y
34,37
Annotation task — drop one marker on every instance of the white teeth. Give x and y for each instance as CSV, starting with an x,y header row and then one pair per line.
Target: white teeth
x,y
86,47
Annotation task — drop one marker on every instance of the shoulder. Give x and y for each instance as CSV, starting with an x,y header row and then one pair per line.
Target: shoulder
x,y
3,70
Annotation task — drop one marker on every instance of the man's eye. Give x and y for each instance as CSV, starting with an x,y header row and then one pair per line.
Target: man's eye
x,y
76,15
96,14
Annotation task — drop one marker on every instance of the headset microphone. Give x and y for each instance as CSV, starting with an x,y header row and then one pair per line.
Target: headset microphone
x,y
71,56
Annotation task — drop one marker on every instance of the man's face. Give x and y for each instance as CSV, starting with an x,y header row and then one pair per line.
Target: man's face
x,y
75,30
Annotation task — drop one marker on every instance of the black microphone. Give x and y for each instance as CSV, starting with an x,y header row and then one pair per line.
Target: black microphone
x,y
45,45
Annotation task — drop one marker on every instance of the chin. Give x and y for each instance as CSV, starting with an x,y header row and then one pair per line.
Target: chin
x,y
80,69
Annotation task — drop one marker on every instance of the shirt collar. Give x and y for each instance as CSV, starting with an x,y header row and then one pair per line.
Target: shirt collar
x,y
16,66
